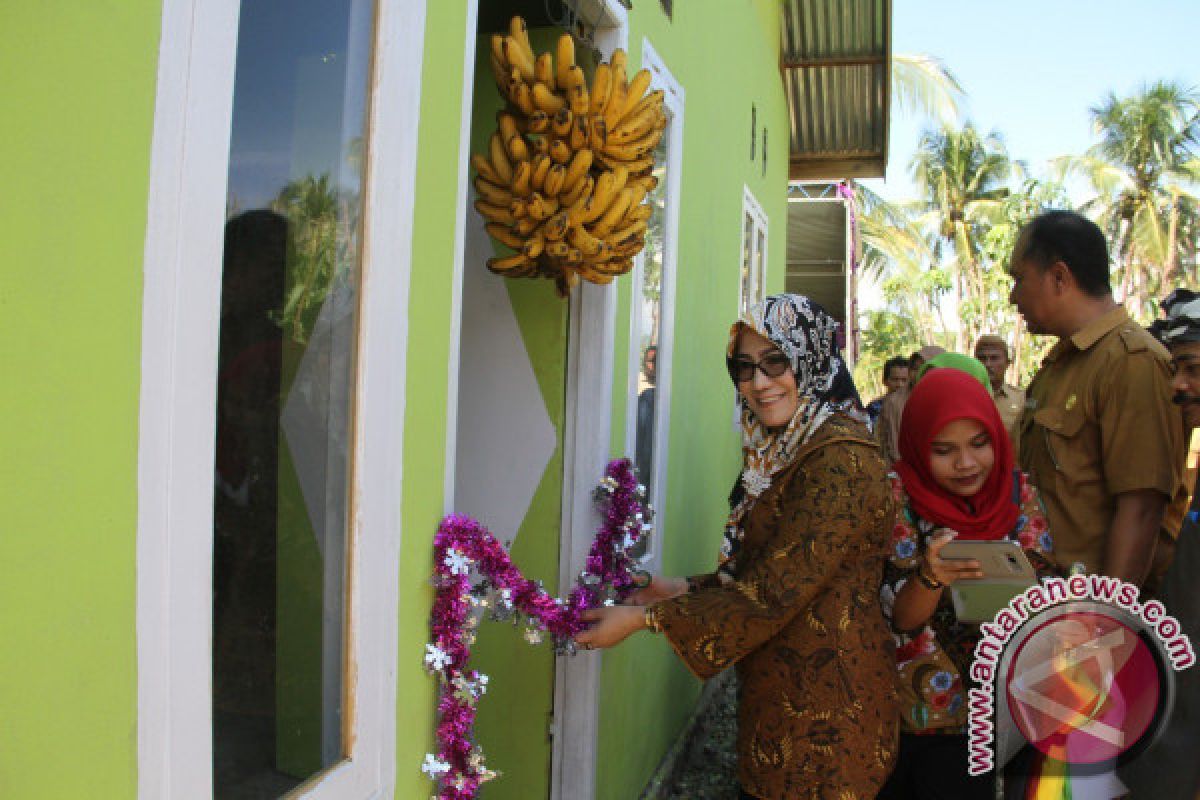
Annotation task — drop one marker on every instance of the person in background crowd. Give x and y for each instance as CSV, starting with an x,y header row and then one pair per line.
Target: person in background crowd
x,y
895,378
959,362
887,428
795,602
1170,768
992,352
956,477
1099,435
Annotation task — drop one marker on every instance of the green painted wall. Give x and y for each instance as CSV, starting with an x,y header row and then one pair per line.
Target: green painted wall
x,y
78,110
725,58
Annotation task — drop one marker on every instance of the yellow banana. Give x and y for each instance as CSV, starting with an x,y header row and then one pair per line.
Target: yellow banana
x,y
541,207
581,162
533,246
565,57
496,214
492,193
557,249
591,275
498,49
587,244
546,100
500,162
522,183
507,124
618,68
579,133
648,182
507,264
608,186
575,78
555,228
500,71
575,199
541,146
543,70
601,86
616,103
520,58
505,236
615,213
522,98
484,169
518,149
622,237
520,31
555,180
541,168
539,122
597,132
526,226
637,213
574,257
562,122
560,152
519,208
633,94
636,125
577,98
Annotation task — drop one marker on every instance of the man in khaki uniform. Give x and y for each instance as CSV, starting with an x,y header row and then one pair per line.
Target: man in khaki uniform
x,y
1099,434
887,426
992,352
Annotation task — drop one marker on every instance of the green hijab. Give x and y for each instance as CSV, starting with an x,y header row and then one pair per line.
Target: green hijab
x,y
971,366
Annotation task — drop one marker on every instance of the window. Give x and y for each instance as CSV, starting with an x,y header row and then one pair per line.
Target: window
x,y
754,253
652,306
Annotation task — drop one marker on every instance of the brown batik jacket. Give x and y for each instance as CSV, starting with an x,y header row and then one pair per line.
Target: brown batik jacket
x,y
817,714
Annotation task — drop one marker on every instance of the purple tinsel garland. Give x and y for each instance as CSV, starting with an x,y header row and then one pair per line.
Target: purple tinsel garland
x,y
462,544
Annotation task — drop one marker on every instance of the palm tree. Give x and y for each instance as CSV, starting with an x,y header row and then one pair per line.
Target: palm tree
x,y
923,85
1143,173
962,177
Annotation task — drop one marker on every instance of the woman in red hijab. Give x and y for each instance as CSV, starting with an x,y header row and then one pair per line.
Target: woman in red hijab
x,y
955,478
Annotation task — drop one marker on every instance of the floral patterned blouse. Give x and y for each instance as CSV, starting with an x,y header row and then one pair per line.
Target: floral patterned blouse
x,y
931,661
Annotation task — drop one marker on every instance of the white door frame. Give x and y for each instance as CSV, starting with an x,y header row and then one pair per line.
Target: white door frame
x,y
674,103
177,412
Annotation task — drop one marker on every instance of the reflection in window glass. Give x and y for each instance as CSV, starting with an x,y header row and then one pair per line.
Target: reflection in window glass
x,y
647,310
288,324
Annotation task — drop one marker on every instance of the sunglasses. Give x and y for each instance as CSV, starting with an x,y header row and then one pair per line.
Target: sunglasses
x,y
772,366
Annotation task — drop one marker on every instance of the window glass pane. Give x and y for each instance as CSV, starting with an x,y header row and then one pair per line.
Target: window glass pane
x,y
760,265
285,379
647,306
747,296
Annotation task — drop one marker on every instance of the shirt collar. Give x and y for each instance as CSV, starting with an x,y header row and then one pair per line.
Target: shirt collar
x,y
1088,335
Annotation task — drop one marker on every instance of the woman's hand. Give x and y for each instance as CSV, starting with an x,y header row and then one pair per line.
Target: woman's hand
x,y
947,570
613,624
659,589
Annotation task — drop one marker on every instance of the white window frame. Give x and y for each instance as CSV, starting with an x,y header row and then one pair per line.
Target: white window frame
x,y
673,101
753,210
177,417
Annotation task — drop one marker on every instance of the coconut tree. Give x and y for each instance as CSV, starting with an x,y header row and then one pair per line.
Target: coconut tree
x,y
962,177
923,85
1143,177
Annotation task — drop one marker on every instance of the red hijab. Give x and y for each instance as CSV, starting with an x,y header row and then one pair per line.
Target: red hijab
x,y
939,398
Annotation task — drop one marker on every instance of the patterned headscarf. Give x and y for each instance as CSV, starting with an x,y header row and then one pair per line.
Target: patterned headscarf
x,y
807,335
1182,323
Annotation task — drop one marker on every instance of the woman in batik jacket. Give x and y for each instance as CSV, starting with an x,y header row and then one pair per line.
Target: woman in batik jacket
x,y
794,604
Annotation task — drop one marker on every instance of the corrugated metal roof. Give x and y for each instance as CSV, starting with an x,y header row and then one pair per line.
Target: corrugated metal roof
x,y
835,59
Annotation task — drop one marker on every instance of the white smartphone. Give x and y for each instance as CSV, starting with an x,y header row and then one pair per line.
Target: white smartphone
x,y
1006,573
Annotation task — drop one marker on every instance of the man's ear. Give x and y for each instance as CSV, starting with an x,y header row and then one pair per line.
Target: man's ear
x,y
1064,279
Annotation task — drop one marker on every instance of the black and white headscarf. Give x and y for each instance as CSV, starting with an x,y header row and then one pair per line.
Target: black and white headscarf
x,y
1182,323
807,335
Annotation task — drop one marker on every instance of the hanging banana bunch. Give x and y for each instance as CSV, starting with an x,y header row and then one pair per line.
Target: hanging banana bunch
x,y
566,174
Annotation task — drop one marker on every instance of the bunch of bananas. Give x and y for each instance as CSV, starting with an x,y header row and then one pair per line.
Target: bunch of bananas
x,y
565,179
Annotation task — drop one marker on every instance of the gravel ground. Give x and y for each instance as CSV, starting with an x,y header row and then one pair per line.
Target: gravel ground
x,y
706,769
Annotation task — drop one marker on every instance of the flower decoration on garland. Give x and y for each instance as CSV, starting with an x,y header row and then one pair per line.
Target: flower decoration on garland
x,y
501,591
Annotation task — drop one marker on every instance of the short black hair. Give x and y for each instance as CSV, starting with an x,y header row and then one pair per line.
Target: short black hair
x,y
1076,241
892,363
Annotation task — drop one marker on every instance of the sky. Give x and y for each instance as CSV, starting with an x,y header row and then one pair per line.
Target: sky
x,y
1032,68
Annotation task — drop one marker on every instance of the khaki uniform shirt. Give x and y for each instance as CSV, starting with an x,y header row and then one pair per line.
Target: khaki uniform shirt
x,y
1010,402
1098,422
